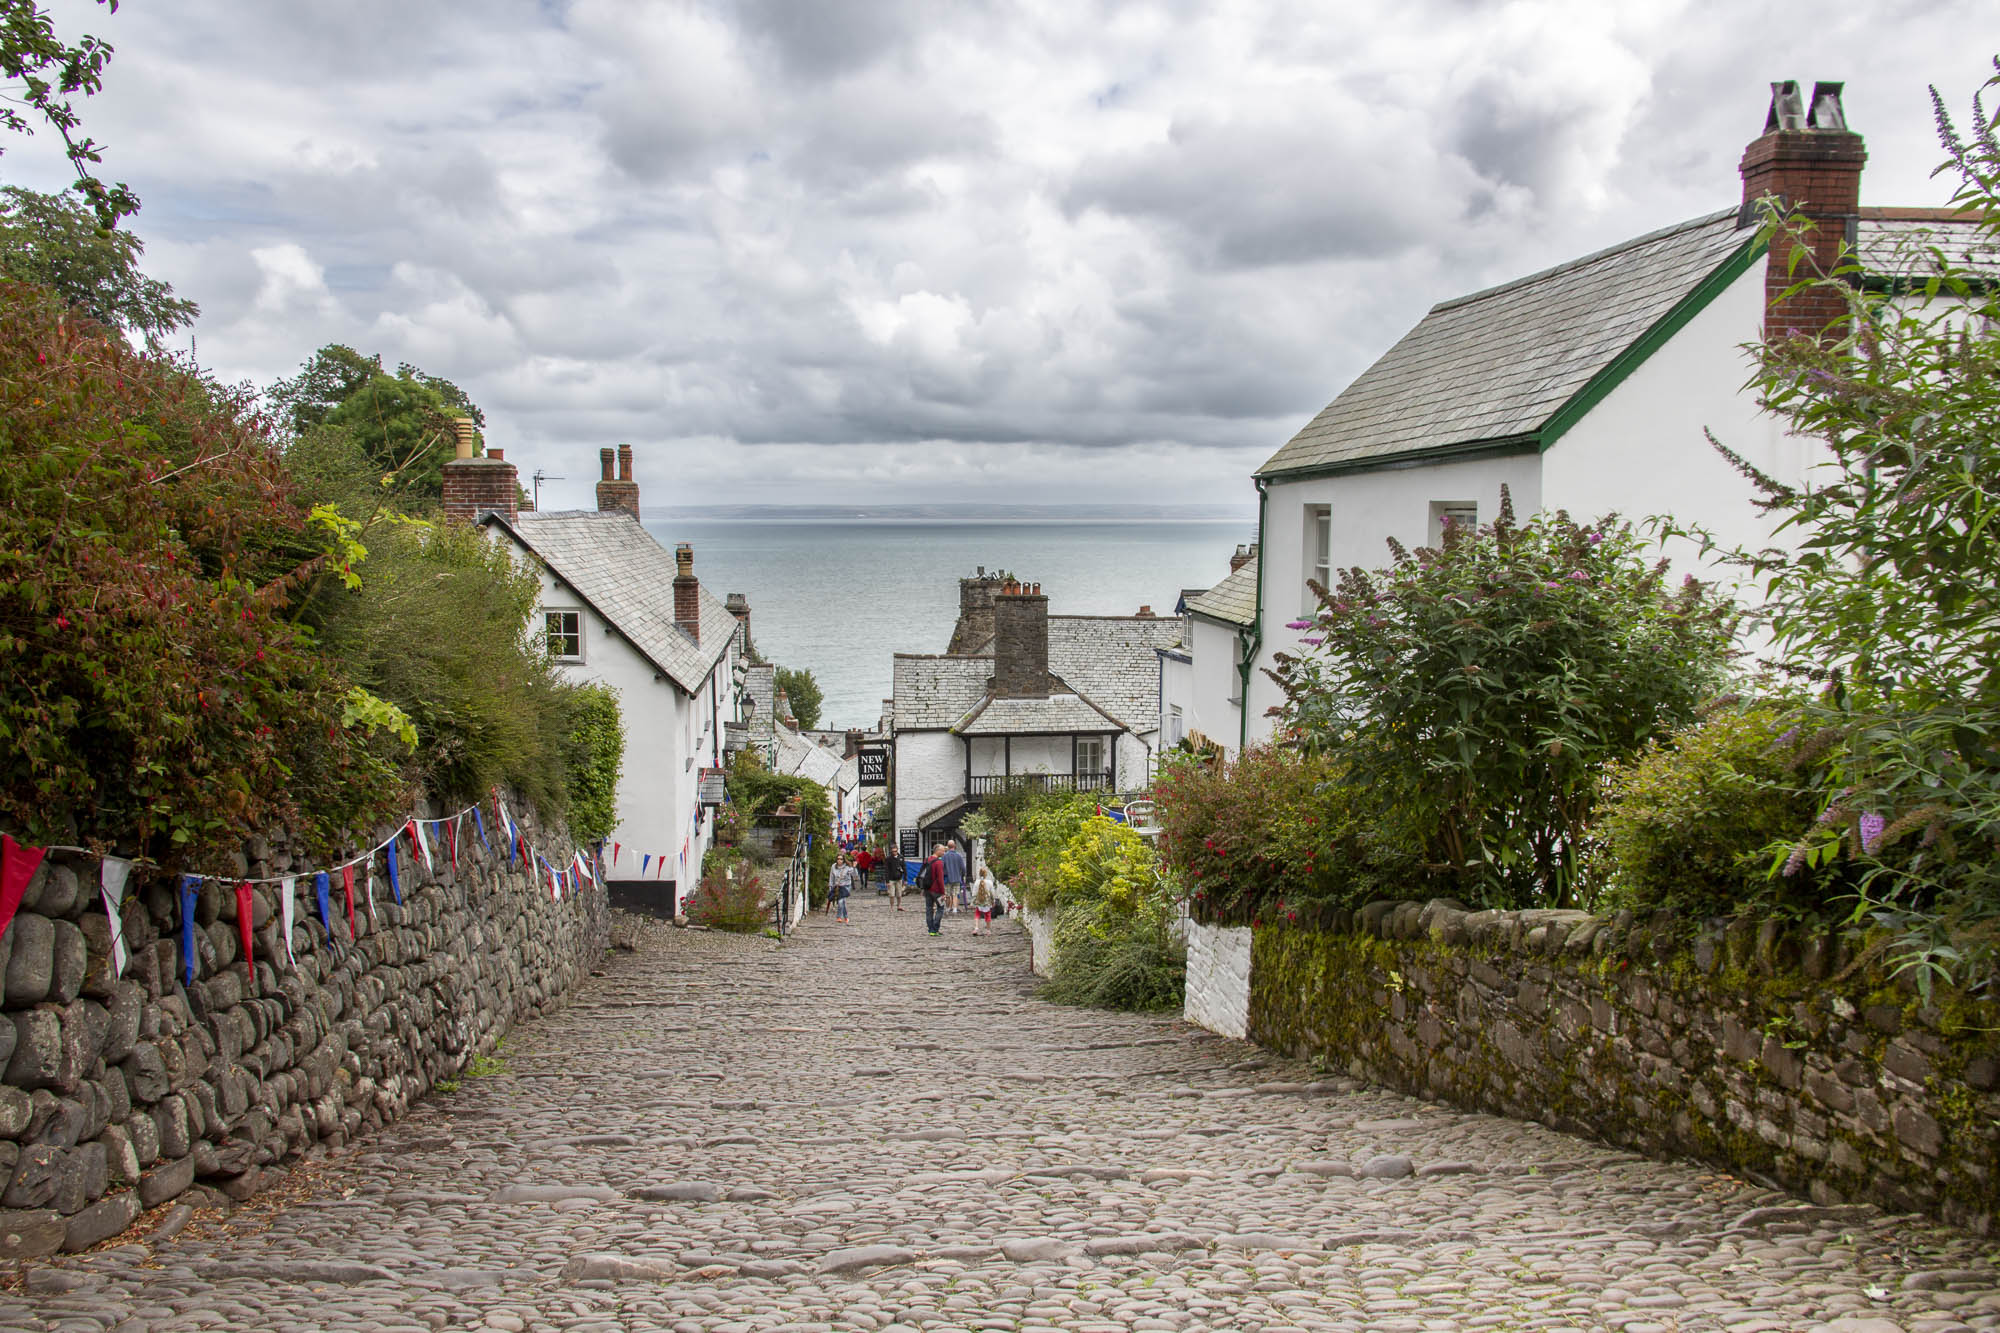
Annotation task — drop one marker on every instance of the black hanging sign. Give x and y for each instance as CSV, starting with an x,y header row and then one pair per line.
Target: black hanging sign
x,y
907,841
873,761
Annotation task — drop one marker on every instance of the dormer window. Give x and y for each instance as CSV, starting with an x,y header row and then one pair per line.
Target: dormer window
x,y
565,634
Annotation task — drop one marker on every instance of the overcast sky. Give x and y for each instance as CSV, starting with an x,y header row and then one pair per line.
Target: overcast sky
x,y
809,250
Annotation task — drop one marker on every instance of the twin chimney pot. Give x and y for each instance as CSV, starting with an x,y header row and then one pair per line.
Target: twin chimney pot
x,y
620,491
1811,163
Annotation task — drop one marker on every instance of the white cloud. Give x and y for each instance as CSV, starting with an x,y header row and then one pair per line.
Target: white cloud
x,y
1013,247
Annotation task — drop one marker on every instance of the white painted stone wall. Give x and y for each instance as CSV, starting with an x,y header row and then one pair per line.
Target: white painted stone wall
x,y
1218,978
1042,941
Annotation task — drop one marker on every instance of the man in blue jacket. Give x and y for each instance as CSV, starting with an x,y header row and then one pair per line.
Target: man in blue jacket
x,y
954,874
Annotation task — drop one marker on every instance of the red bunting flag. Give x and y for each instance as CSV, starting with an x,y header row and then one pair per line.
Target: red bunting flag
x,y
17,866
614,853
454,841
243,903
347,883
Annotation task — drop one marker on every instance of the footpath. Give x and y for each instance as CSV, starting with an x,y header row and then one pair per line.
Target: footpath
x,y
866,1128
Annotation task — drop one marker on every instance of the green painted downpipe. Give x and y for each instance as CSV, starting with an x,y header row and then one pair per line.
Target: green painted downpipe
x,y
1256,644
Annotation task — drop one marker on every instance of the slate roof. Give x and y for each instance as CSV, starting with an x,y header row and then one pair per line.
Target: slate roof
x,y
627,577
799,756
1110,661
1234,600
1895,242
932,693
1059,714
1497,364
760,683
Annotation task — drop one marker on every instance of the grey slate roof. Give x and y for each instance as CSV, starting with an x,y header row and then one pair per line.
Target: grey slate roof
x,y
1110,660
933,693
1058,714
1895,242
760,682
799,756
628,578
1498,364
1234,600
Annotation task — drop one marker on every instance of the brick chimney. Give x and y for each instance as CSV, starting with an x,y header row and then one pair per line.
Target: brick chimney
x,y
619,492
1244,555
975,613
474,485
687,593
1021,642
1812,162
853,742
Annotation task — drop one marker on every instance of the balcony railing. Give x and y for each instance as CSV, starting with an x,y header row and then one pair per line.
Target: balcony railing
x,y
994,784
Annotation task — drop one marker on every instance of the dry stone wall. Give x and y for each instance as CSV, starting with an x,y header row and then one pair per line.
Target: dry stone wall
x,y
120,1093
1794,1058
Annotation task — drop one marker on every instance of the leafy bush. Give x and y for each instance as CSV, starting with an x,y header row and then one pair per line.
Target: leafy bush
x,y
55,242
594,757
756,793
729,902
490,707
1689,825
1108,957
1277,834
802,692
1475,690
1028,849
151,550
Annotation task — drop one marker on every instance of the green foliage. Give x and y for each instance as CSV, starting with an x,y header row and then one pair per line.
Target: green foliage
x,y
158,694
1026,849
401,423
48,71
803,692
58,243
1279,834
732,900
1886,596
756,794
1106,958
595,754
489,706
1688,825
1475,690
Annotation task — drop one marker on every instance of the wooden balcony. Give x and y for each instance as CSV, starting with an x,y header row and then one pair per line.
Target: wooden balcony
x,y
996,783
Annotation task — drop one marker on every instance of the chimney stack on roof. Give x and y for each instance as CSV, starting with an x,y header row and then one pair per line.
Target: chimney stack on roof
x,y
619,492
1811,162
687,592
739,606
1021,642
853,739
1244,555
473,485
974,629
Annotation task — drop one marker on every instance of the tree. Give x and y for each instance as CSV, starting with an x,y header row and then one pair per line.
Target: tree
x,y
1887,594
48,71
57,243
402,421
1475,690
804,695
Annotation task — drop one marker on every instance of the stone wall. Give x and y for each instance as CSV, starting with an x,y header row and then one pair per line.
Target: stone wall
x,y
120,1093
1218,978
1793,1058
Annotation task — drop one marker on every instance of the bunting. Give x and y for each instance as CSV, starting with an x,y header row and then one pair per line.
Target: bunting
x,y
347,886
244,903
395,879
17,866
190,887
111,877
320,886
286,887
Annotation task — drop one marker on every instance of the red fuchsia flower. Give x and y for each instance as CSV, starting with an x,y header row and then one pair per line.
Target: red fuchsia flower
x,y
62,621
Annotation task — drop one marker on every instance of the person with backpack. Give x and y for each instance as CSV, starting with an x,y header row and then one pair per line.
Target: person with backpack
x,y
931,880
984,896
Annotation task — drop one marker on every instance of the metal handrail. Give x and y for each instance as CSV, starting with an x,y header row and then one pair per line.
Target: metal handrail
x,y
796,881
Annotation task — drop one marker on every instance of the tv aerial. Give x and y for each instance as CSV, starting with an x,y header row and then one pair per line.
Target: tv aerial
x,y
539,478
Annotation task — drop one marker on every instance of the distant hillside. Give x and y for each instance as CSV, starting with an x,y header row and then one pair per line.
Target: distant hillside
x,y
991,513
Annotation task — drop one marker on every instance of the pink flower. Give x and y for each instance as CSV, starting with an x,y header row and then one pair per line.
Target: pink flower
x,y
1872,826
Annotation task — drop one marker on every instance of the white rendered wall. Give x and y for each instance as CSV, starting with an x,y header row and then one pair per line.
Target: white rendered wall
x,y
1042,754
1041,940
1215,714
930,769
1135,760
1218,978
1642,451
1177,690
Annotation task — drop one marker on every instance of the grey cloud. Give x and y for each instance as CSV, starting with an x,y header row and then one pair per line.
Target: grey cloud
x,y
827,38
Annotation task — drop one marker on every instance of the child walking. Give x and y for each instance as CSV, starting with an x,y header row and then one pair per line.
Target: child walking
x,y
983,894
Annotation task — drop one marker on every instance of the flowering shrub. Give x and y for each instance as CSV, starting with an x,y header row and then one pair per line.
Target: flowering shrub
x,y
1475,690
1273,836
731,898
158,694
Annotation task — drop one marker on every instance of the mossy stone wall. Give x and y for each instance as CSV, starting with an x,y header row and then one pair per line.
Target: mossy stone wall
x,y
1783,1055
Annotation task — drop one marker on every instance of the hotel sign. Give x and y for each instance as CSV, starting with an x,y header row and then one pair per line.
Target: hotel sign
x,y
873,761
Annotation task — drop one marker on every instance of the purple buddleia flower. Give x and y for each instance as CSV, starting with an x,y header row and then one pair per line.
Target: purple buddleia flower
x,y
1298,624
1578,576
1596,537
1871,831
1313,639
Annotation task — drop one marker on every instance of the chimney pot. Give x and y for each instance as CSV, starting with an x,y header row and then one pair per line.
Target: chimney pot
x,y
624,462
620,492
604,464
496,455
1811,162
465,443
1146,611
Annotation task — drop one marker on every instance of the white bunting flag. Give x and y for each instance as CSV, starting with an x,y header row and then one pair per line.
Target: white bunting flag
x,y
111,886
285,905
371,888
424,845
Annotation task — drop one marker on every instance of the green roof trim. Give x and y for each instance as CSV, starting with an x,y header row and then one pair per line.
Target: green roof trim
x,y
1443,453
1604,381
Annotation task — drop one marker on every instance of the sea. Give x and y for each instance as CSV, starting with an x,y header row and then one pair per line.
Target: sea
x,y
840,594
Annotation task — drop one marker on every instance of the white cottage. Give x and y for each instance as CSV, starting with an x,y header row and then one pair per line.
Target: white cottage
x,y
619,609
1586,387
1054,702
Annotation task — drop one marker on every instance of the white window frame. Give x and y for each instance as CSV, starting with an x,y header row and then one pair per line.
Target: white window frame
x,y
1318,555
1458,511
1076,756
1176,726
550,632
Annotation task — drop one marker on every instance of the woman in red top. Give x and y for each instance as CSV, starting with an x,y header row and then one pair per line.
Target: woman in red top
x,y
862,861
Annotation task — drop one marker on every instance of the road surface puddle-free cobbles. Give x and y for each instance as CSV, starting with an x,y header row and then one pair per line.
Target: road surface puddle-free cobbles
x,y
867,1128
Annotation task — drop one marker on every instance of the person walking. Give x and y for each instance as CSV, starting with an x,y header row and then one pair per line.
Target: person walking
x,y
842,886
897,875
954,875
864,861
931,880
983,896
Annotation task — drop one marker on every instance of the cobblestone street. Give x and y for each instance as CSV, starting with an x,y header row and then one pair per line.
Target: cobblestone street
x,y
867,1128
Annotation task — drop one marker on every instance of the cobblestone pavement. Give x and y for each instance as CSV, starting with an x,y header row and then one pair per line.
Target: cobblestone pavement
x,y
868,1128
